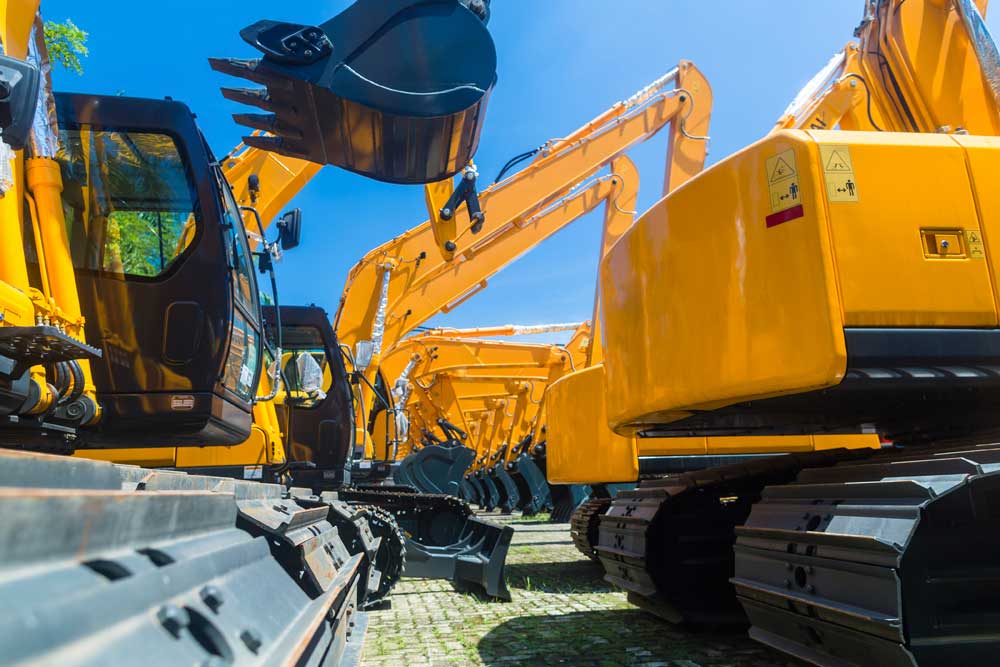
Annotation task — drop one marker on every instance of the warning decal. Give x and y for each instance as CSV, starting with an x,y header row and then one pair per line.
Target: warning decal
x,y
781,170
974,240
783,181
838,171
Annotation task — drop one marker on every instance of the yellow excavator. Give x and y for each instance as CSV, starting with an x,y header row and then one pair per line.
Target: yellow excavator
x,y
834,277
130,319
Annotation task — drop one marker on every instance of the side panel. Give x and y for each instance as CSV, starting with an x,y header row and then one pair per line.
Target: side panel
x,y
983,159
705,304
900,234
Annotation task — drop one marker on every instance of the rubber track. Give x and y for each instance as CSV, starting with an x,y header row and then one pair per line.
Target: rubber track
x,y
669,543
585,525
432,519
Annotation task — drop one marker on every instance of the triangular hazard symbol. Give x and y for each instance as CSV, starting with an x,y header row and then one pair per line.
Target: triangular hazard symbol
x,y
837,163
781,170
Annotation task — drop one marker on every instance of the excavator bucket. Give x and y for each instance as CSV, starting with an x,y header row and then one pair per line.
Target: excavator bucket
x,y
467,491
491,494
510,497
477,557
435,469
475,490
565,497
533,489
351,92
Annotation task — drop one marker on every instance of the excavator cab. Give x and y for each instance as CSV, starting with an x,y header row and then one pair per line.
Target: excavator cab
x,y
318,420
164,273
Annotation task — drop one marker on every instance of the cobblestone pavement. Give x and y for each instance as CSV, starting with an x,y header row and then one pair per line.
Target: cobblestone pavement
x,y
562,614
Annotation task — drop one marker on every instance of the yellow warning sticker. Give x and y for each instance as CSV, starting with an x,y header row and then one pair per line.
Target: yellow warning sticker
x,y
783,181
838,170
974,240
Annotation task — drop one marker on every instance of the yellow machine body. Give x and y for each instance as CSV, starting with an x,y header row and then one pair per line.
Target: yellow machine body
x,y
891,230
583,449
580,447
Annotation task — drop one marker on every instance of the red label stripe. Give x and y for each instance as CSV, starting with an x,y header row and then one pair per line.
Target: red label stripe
x,y
784,216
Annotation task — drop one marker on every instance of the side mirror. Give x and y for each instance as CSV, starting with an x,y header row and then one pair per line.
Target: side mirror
x,y
19,81
290,229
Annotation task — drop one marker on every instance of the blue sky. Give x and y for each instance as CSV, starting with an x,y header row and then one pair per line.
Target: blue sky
x,y
561,63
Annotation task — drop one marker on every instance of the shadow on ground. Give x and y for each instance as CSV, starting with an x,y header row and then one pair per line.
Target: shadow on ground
x,y
581,576
616,638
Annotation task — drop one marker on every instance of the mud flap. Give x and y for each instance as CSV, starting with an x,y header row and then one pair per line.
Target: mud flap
x,y
509,496
533,488
435,469
477,557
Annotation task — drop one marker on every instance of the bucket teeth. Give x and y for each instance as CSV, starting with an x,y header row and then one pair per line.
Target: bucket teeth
x,y
266,143
400,127
267,123
255,97
250,70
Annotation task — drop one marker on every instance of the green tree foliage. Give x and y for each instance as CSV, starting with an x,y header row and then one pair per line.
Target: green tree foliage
x,y
67,44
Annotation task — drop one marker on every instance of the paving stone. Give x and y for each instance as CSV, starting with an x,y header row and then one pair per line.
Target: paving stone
x,y
562,613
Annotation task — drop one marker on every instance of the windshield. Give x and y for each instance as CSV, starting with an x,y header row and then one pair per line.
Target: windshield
x,y
130,204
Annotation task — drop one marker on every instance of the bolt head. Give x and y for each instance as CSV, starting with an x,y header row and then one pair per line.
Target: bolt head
x,y
173,618
212,596
252,639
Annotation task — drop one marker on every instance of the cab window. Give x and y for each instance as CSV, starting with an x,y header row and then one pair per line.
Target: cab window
x,y
129,201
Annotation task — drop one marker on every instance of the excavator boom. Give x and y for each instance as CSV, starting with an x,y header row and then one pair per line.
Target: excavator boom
x,y
400,285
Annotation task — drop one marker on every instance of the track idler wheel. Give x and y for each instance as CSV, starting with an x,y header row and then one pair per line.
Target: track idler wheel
x,y
585,524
